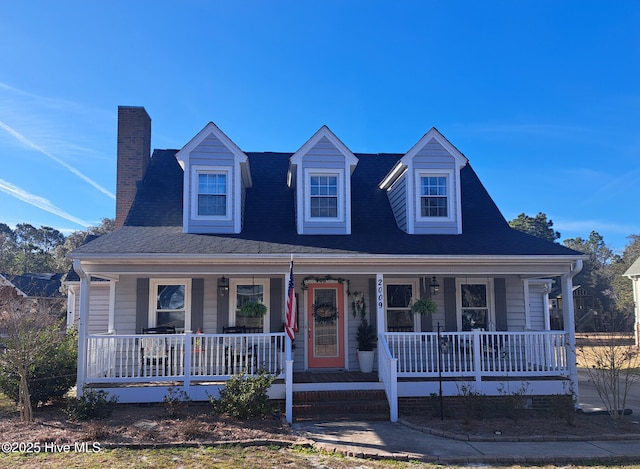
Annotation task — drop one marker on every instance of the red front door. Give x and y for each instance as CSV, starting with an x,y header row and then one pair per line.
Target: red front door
x,y
325,316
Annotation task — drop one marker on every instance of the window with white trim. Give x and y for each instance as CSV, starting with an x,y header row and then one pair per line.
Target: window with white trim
x,y
170,303
324,196
398,298
474,302
211,194
247,290
433,196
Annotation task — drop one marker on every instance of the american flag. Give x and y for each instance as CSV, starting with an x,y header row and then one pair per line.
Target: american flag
x,y
291,322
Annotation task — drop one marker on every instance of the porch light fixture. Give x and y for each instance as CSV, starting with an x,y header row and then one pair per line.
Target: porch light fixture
x,y
434,285
223,286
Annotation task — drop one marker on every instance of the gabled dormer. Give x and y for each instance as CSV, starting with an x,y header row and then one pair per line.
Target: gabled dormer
x,y
424,187
320,173
216,175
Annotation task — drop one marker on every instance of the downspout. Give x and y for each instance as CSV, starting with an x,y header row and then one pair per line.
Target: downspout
x,y
569,323
82,326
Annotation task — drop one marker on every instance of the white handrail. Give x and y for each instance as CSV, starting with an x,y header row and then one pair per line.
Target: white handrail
x,y
388,371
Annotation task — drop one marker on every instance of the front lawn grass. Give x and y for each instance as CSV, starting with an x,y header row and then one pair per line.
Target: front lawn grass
x,y
224,457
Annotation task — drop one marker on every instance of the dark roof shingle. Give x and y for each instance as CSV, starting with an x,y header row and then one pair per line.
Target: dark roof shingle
x,y
154,223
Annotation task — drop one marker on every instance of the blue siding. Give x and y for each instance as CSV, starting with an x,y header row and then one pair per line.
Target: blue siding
x,y
398,200
212,152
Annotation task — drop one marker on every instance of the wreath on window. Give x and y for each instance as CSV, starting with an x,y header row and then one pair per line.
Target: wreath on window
x,y
325,313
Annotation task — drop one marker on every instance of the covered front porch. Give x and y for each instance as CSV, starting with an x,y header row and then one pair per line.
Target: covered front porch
x,y
141,367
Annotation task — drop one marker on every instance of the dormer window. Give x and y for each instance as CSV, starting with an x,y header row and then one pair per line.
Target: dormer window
x,y
212,194
320,172
434,196
211,197
324,196
424,187
216,178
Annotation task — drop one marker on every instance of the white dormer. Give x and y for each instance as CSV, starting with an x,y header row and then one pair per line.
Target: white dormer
x,y
320,171
424,187
216,174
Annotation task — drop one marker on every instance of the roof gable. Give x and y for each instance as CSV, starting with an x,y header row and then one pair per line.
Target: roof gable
x,y
634,269
433,136
324,133
209,130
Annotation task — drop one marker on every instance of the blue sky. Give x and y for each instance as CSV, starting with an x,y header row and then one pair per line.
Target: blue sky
x,y
543,97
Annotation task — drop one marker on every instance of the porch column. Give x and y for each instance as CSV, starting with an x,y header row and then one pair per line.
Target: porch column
x,y
111,328
635,283
85,292
380,301
569,322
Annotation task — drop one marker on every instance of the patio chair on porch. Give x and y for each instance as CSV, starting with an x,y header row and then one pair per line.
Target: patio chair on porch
x,y
237,354
155,352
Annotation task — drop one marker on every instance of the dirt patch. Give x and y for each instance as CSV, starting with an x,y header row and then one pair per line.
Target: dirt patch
x,y
151,424
143,424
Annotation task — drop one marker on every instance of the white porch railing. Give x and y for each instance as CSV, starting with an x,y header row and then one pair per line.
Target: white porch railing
x,y
188,357
479,354
388,373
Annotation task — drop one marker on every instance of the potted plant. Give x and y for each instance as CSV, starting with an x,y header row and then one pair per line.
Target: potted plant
x,y
424,306
253,309
367,341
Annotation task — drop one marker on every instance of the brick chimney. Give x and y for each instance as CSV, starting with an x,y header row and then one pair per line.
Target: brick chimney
x,y
134,152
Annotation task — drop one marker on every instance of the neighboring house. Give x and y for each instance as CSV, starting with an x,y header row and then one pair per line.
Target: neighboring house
x,y
633,273
586,317
44,287
207,228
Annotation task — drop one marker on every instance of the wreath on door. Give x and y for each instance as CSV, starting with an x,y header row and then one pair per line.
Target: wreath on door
x,y
325,313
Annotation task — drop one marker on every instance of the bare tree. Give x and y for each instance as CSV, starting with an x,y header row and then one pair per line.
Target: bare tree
x,y
29,333
612,364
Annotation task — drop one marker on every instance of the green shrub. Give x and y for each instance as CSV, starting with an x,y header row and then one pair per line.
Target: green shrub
x,y
51,377
91,405
244,396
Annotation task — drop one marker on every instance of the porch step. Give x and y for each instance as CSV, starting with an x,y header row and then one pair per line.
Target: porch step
x,y
340,405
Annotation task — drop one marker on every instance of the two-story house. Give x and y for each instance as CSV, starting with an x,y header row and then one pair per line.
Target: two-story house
x,y
206,229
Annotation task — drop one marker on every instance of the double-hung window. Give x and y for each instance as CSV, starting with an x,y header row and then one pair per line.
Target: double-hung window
x,y
211,193
434,201
324,196
169,301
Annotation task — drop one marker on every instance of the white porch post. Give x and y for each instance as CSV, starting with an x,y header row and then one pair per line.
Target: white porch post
x,y
569,322
111,328
380,314
635,283
85,292
288,383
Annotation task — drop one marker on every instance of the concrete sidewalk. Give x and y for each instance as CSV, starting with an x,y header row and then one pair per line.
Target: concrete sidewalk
x,y
398,441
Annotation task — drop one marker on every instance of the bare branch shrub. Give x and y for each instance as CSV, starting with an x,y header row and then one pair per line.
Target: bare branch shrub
x,y
30,334
613,367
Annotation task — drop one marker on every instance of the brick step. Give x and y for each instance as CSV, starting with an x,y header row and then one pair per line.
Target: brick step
x,y
322,396
340,405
